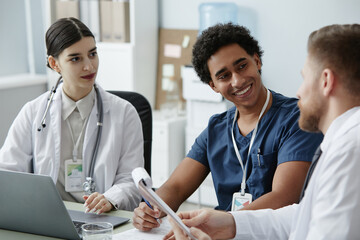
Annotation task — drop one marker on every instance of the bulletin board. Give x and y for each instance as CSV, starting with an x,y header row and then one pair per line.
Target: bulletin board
x,y
175,48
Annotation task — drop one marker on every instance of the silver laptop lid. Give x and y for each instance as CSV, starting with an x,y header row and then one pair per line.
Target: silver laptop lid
x,y
30,203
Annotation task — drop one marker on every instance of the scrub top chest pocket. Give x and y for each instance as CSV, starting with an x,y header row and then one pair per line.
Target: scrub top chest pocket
x,y
262,169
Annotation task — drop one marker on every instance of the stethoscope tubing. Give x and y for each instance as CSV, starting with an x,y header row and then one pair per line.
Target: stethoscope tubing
x,y
99,132
99,123
50,98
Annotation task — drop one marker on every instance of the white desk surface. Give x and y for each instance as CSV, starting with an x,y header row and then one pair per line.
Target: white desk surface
x,y
12,235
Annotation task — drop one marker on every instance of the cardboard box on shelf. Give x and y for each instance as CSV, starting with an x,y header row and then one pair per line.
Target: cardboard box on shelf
x,y
106,20
67,9
121,21
115,21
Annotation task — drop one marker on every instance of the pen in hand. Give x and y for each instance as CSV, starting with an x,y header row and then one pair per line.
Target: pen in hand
x,y
147,203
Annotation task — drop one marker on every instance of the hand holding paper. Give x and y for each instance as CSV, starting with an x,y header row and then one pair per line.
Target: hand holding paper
x,y
144,184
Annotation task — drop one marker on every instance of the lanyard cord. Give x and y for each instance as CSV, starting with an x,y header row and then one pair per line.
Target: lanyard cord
x,y
243,183
76,145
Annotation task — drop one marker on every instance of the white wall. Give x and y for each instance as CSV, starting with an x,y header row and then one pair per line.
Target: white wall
x,y
16,88
281,27
13,37
12,100
38,35
13,48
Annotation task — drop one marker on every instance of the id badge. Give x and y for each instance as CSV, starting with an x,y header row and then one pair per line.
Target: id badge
x,y
239,201
73,175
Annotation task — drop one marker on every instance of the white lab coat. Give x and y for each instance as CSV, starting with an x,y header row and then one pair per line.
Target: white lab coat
x,y
120,150
330,208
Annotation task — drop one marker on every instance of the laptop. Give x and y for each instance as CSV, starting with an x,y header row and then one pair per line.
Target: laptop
x,y
31,203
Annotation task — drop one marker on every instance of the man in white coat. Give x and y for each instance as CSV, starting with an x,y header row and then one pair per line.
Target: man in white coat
x,y
329,101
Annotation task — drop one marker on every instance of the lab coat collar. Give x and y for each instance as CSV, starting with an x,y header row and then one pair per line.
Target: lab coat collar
x,y
84,105
105,99
91,128
93,117
339,126
103,93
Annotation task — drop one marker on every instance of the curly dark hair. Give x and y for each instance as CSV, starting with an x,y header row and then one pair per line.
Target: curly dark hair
x,y
215,37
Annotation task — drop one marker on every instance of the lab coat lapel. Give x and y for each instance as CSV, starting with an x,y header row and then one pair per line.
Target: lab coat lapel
x,y
91,130
55,127
90,137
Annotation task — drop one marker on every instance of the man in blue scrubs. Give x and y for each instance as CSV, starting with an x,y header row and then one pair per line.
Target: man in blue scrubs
x,y
259,136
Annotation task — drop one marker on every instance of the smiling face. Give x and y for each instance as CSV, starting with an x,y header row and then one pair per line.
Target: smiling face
x,y
78,65
235,75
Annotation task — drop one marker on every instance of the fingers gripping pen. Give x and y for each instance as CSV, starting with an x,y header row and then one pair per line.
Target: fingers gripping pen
x,y
143,183
143,180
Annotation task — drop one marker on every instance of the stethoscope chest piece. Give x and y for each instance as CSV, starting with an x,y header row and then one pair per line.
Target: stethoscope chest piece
x,y
89,186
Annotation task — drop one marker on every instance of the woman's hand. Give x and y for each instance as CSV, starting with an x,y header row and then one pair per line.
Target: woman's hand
x,y
97,203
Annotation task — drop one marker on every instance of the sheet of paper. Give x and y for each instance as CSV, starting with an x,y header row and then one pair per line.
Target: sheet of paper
x,y
154,234
172,51
186,41
168,70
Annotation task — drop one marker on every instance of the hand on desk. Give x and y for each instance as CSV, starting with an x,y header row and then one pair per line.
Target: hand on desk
x,y
97,203
145,218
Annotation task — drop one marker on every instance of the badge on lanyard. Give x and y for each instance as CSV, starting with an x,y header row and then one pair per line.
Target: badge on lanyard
x,y
239,201
74,177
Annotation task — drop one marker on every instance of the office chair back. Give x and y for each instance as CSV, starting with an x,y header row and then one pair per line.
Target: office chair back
x,y
143,108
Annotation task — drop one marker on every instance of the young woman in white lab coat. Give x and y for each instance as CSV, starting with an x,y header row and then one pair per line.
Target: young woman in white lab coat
x,y
70,132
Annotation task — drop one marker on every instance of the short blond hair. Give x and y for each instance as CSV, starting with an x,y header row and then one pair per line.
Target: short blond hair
x,y
337,47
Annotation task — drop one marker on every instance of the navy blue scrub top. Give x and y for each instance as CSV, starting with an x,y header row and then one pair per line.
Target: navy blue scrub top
x,y
279,139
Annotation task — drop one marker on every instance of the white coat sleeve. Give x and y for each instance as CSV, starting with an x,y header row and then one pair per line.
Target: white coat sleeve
x,y
16,153
124,193
264,223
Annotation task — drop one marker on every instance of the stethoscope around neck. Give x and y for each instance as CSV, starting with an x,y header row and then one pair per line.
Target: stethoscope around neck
x,y
89,185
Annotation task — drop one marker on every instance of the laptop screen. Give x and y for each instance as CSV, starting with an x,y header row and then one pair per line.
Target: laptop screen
x,y
32,204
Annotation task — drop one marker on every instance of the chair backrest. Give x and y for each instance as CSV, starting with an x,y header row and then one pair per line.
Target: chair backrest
x,y
143,108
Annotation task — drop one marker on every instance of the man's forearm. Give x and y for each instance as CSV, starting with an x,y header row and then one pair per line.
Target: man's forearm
x,y
273,200
170,196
